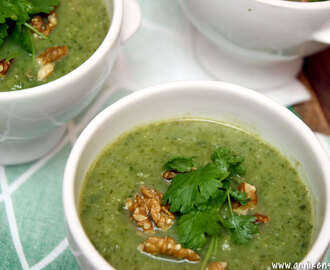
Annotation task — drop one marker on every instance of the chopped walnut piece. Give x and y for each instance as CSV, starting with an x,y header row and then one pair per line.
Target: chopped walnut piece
x,y
140,213
149,208
51,23
168,175
150,193
4,66
47,60
251,192
52,54
46,27
159,213
167,246
37,23
262,218
45,71
162,217
218,266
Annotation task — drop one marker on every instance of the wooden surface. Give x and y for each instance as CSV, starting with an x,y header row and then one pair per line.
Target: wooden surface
x,y
316,77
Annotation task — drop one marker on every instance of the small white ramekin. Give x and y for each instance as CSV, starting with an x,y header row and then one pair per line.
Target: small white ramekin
x,y
33,120
214,100
259,44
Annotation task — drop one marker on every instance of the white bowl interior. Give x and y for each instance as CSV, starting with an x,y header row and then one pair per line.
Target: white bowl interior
x,y
213,100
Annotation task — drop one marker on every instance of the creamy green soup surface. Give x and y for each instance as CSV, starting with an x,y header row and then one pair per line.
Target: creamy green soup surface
x,y
136,158
81,26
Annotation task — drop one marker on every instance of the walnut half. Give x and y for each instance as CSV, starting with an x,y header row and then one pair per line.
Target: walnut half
x,y
44,26
140,213
45,71
251,192
149,208
168,175
47,60
4,66
218,266
52,54
261,218
167,246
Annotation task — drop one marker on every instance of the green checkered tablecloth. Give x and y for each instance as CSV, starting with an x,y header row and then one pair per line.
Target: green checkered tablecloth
x,y
32,233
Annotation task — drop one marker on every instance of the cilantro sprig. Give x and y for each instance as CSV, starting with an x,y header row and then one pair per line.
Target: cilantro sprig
x,y
179,164
193,188
196,188
241,228
14,18
197,196
239,196
193,227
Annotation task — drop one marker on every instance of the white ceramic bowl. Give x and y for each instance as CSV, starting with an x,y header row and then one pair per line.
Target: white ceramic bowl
x,y
278,27
214,100
259,43
33,120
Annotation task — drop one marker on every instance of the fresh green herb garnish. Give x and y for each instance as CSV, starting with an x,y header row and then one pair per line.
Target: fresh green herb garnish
x,y
241,228
179,164
189,190
228,162
14,18
198,196
213,246
239,196
193,227
3,32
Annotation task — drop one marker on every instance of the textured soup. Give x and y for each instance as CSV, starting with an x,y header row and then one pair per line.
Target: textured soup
x,y
82,26
136,159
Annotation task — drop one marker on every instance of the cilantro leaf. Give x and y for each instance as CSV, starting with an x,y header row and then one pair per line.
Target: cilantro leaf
x,y
193,227
239,196
193,188
198,196
228,162
14,10
3,32
179,164
7,10
220,199
216,202
24,38
45,6
237,169
241,228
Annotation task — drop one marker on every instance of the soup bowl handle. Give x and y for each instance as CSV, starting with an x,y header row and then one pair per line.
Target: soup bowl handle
x,y
131,19
323,35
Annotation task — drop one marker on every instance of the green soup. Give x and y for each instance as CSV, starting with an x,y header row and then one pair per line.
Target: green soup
x,y
82,26
136,159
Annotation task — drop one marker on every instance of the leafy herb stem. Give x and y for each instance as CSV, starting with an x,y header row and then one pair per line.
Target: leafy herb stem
x,y
229,203
33,49
223,223
216,245
209,252
231,211
35,30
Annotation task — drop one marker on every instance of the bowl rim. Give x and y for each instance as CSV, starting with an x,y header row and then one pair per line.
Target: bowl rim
x,y
297,4
108,41
70,211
